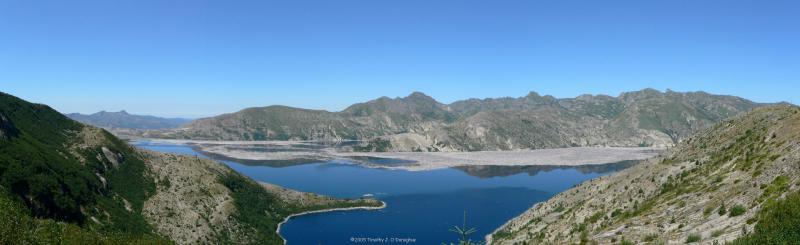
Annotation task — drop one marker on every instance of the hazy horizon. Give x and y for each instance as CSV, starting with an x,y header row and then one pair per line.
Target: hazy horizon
x,y
444,102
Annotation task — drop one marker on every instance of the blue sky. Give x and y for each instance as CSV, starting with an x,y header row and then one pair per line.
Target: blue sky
x,y
199,58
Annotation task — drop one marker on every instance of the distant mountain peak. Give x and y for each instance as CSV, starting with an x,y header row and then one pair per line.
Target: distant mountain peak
x,y
533,94
122,119
417,94
419,97
104,112
650,90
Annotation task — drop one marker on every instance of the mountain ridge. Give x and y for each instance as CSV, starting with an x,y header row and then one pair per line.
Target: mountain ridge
x,y
420,123
123,120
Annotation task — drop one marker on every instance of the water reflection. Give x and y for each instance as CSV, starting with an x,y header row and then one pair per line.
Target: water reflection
x,y
490,171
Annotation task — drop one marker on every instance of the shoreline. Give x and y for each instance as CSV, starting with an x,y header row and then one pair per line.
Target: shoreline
x,y
415,161
488,238
278,230
233,142
423,161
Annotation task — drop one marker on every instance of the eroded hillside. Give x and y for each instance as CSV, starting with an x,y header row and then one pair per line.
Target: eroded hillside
x,y
709,189
202,201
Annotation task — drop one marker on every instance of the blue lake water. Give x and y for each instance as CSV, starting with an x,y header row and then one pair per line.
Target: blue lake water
x,y
421,205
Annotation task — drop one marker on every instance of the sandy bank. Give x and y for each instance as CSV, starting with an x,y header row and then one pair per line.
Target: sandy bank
x,y
559,157
288,150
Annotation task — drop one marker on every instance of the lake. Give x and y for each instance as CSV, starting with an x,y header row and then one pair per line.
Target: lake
x,y
422,206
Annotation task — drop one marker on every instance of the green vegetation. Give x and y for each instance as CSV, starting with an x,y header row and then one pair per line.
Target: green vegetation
x,y
625,242
18,227
708,211
260,211
463,233
775,188
559,208
501,234
737,210
595,217
617,212
27,168
693,238
778,223
377,145
41,170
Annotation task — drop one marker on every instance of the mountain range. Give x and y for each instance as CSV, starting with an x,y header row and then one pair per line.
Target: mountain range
x,y
420,123
123,120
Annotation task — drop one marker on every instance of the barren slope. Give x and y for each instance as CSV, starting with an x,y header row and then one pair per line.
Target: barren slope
x,y
710,188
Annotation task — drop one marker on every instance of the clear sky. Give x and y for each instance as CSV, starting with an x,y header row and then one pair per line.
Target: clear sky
x,y
200,58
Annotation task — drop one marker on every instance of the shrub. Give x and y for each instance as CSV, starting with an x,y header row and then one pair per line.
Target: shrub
x,y
616,212
778,223
18,227
693,238
559,208
708,211
625,242
737,210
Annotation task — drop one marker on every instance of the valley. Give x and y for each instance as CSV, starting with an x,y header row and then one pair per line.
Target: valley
x,y
421,204
399,122
311,191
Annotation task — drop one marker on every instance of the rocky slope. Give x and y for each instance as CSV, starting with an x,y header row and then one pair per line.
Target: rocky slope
x,y
420,123
201,201
65,182
710,188
123,120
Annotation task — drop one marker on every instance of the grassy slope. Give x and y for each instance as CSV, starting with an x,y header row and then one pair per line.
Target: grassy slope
x,y
778,223
41,172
